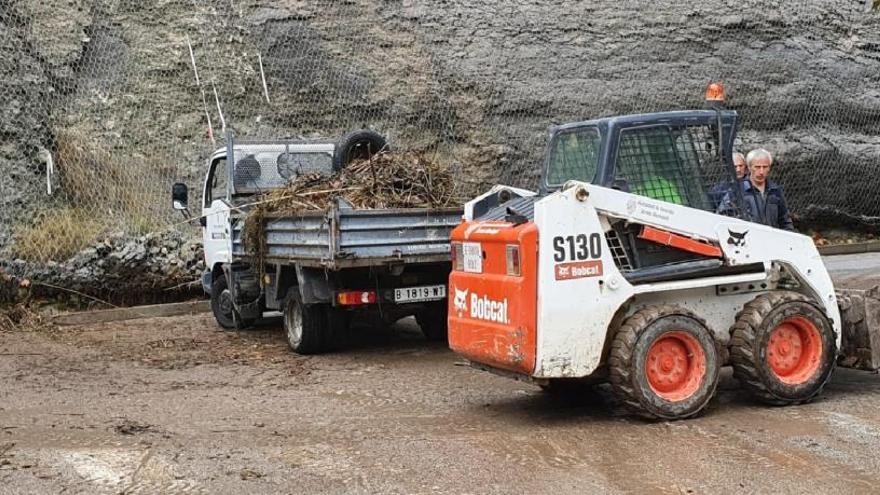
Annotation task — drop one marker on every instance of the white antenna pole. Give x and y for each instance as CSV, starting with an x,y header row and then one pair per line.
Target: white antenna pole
x,y
50,171
263,78
192,59
219,110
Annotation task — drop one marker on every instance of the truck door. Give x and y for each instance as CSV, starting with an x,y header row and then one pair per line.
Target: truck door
x,y
215,212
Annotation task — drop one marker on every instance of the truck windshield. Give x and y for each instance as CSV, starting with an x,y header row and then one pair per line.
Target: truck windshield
x,y
574,155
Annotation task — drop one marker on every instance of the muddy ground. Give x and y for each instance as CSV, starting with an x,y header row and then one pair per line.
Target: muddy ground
x,y
174,405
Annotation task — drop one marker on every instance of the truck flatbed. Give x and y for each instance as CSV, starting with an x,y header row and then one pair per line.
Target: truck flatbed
x,y
340,237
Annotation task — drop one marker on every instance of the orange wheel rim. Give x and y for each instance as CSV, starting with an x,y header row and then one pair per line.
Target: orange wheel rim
x,y
675,365
794,350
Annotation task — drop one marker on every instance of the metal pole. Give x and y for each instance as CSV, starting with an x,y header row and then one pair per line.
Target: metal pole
x,y
230,165
263,77
192,59
219,110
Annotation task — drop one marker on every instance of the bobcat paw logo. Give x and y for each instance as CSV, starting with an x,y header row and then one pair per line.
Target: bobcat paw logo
x,y
460,301
736,238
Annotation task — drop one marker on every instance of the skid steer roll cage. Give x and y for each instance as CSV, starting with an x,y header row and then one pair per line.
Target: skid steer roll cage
x,y
671,156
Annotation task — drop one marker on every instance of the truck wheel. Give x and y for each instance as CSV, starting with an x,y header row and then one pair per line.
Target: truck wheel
x,y
782,348
223,308
306,327
358,144
664,363
338,324
433,323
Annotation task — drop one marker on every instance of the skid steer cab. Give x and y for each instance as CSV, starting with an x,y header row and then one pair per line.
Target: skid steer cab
x,y
620,269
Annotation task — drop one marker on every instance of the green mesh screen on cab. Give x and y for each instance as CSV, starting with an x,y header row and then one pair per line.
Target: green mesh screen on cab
x,y
678,165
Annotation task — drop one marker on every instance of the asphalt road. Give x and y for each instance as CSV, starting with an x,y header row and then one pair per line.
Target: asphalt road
x,y
855,271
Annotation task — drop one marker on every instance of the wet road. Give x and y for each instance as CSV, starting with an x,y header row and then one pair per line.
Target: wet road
x,y
855,271
174,405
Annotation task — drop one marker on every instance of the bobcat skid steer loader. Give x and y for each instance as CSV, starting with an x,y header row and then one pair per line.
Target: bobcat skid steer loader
x,y
620,268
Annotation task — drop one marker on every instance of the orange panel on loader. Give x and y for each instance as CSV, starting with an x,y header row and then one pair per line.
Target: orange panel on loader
x,y
492,309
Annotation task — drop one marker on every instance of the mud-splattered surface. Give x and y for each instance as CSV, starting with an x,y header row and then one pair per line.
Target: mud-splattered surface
x,y
173,405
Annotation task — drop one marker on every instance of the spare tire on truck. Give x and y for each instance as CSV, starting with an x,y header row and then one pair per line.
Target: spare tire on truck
x,y
360,144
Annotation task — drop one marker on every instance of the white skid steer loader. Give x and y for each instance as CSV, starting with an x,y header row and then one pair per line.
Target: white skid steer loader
x,y
620,269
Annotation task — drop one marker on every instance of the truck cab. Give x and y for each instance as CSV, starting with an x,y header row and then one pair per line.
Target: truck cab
x,y
227,187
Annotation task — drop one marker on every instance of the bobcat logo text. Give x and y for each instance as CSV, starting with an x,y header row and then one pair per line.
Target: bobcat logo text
x,y
480,307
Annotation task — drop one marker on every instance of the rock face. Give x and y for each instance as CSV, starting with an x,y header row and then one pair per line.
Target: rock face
x,y
108,89
25,85
118,269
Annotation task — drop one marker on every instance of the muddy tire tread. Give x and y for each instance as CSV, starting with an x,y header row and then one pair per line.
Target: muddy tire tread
x,y
743,340
622,355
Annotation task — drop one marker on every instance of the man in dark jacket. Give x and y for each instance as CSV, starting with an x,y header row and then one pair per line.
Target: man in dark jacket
x,y
764,200
720,191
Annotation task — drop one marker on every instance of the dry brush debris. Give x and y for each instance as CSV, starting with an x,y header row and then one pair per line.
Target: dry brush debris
x,y
19,317
387,180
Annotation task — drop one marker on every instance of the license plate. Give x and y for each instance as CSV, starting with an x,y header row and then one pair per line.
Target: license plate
x,y
418,294
473,257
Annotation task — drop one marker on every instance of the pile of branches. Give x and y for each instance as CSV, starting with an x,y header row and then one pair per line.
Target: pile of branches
x,y
386,180
19,317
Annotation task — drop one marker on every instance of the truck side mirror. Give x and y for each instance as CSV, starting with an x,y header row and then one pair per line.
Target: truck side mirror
x,y
179,196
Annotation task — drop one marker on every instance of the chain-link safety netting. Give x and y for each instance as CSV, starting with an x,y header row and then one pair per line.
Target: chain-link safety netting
x,y
106,103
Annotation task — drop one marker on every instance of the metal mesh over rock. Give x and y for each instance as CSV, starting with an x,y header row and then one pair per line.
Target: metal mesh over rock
x,y
107,103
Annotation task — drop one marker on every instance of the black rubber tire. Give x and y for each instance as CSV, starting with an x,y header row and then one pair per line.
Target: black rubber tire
x,y
363,144
626,365
306,327
338,325
227,317
433,321
748,347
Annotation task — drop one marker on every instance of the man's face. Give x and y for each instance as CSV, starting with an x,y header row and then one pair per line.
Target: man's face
x,y
739,163
759,170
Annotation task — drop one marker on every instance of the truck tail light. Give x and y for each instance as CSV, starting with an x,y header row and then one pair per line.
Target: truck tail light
x,y
513,260
457,250
356,297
